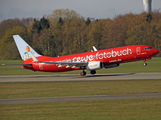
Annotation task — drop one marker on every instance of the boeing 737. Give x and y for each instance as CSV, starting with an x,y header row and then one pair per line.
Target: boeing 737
x,y
92,61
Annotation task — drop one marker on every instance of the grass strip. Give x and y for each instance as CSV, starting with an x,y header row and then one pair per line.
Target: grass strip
x,y
143,109
78,88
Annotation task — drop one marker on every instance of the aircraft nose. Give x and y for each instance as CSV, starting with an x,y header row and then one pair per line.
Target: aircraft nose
x,y
155,51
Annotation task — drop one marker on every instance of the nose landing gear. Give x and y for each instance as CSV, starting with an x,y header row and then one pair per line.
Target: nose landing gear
x,y
145,64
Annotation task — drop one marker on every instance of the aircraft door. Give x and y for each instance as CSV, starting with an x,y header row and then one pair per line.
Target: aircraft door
x,y
138,51
41,66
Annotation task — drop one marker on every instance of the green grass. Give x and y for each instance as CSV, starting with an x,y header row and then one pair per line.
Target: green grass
x,y
81,88
154,65
143,109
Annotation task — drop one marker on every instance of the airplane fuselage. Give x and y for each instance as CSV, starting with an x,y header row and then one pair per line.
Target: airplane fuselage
x,y
113,56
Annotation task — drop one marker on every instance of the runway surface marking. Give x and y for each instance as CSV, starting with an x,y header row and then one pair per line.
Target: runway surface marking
x,y
79,98
61,78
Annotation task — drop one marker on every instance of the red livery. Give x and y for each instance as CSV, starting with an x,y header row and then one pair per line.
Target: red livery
x,y
91,61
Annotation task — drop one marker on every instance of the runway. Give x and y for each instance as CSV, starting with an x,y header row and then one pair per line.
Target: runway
x,y
79,98
62,78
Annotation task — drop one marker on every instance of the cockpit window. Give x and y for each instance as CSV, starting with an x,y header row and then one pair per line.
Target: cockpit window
x,y
148,48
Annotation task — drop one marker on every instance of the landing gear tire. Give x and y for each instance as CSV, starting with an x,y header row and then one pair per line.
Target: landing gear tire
x,y
93,72
83,73
145,64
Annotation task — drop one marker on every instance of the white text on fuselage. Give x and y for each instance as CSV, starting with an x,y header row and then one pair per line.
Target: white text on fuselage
x,y
100,56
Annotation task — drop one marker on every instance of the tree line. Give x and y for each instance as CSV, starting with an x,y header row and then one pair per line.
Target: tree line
x,y
66,32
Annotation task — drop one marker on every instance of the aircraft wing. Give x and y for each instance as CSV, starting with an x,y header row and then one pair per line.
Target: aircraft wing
x,y
23,64
69,64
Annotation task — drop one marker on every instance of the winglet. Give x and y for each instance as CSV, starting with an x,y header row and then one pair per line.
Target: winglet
x,y
94,48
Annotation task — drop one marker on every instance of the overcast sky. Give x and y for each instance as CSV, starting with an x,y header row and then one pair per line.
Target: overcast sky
x,y
97,9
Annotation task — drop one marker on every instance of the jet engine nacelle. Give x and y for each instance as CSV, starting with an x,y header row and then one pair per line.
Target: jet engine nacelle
x,y
111,66
95,65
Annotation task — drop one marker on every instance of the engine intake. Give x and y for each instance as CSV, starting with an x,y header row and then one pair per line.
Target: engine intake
x,y
94,65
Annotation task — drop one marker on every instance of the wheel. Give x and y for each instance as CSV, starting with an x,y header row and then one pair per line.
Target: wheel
x,y
145,64
93,72
83,73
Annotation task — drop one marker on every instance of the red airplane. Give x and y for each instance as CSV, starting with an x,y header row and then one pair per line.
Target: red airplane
x,y
92,61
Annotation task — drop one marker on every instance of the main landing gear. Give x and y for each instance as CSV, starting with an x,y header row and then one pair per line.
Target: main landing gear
x,y
93,72
83,73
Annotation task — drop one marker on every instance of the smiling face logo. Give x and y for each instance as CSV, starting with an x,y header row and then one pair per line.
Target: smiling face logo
x,y
28,49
